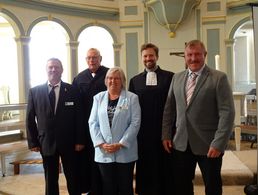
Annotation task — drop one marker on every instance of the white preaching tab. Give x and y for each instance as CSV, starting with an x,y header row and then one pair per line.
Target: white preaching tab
x,y
151,78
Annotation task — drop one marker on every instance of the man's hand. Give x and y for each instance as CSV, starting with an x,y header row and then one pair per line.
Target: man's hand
x,y
213,153
35,149
78,147
167,144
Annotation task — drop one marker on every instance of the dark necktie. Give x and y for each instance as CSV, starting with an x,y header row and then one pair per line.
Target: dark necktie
x,y
190,87
52,98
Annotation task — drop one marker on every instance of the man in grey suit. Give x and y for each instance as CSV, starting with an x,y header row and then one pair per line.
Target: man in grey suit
x,y
55,127
200,106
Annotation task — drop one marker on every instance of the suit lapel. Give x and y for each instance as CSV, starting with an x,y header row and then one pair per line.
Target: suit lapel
x,y
200,82
121,103
62,94
184,81
45,95
104,105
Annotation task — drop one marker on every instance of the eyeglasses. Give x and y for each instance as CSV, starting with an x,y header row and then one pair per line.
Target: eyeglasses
x,y
92,57
113,78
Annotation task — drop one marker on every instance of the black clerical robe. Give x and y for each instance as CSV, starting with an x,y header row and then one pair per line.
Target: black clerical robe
x,y
88,87
152,165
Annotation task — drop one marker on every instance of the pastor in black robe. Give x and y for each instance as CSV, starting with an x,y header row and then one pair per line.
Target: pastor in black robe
x,y
153,165
89,86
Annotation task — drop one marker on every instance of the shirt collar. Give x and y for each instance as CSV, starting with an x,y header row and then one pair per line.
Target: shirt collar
x,y
56,85
198,72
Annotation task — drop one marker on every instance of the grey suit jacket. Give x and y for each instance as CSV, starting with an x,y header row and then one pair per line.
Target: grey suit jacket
x,y
208,119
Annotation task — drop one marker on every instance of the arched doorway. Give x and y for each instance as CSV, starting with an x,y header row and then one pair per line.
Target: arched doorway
x,y
244,65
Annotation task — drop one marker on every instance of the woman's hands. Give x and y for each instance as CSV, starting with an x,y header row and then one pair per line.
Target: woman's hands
x,y
111,148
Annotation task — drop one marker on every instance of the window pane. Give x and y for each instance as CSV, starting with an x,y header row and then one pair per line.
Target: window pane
x,y
9,92
48,39
96,37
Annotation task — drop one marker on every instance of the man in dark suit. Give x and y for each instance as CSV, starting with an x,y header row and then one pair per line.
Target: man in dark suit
x,y
54,127
90,82
200,103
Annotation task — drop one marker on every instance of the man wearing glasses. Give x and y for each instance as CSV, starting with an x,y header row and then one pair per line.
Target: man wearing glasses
x,y
90,82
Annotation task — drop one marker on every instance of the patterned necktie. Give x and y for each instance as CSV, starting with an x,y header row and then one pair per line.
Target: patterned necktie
x,y
52,98
190,86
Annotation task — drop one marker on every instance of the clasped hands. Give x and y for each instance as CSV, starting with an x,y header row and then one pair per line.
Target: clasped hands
x,y
111,148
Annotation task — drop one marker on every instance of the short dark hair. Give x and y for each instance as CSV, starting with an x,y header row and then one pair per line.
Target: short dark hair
x,y
150,45
195,42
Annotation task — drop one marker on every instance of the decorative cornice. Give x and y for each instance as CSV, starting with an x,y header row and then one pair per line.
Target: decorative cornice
x,y
91,4
89,11
213,19
131,23
240,4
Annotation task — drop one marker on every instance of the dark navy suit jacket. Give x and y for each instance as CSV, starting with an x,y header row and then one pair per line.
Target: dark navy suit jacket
x,y
49,131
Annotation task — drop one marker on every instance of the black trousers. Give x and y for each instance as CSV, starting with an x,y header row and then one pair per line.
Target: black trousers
x,y
88,173
184,164
51,170
117,178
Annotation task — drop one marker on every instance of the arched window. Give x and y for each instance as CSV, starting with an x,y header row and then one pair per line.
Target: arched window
x,y
9,92
48,39
244,66
96,37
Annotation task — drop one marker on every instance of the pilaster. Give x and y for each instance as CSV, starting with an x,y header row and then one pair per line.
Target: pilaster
x,y
230,60
132,35
213,20
72,55
117,49
23,66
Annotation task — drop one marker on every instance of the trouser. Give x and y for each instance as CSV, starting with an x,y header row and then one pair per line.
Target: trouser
x,y
184,164
51,170
117,178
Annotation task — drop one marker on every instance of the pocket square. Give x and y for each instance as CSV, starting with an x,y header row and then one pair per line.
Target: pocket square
x,y
69,103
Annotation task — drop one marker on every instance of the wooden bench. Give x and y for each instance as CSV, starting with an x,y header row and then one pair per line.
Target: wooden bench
x,y
17,164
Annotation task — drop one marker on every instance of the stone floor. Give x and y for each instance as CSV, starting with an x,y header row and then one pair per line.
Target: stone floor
x,y
31,178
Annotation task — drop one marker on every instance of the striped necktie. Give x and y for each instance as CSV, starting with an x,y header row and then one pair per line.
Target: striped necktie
x,y
190,86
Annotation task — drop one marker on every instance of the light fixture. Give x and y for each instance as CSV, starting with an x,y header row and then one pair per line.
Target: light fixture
x,y
171,13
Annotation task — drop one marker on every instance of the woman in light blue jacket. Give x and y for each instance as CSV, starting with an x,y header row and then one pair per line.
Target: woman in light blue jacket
x,y
114,124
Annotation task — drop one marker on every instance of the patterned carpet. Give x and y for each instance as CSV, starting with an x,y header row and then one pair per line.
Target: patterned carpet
x,y
32,184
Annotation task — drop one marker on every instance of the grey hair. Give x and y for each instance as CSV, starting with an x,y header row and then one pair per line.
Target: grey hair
x,y
56,60
121,74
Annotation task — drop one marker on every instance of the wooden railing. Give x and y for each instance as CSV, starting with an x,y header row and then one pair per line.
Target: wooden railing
x,y
4,107
12,119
